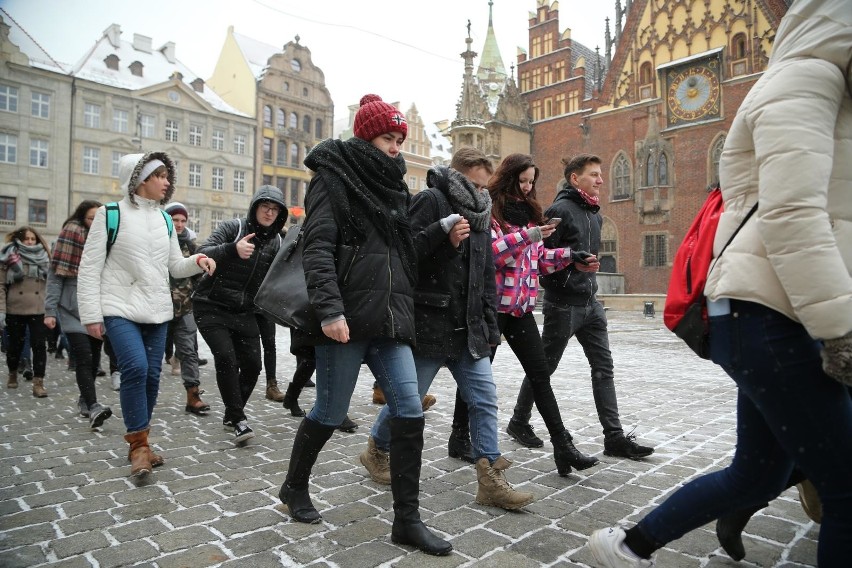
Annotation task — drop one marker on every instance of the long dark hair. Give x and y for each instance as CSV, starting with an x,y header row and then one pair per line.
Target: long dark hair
x,y
505,185
21,232
79,214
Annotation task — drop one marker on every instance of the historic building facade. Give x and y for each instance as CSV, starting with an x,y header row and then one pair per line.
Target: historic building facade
x,y
293,110
655,107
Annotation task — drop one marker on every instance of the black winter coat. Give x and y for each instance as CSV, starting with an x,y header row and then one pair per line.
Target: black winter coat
x,y
454,301
372,291
580,229
235,283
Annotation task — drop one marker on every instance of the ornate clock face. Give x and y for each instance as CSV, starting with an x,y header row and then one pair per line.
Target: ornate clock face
x,y
693,94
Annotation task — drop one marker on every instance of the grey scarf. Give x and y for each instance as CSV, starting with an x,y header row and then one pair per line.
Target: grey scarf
x,y
465,199
24,261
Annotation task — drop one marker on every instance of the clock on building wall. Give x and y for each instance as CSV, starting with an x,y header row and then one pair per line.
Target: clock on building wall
x,y
693,92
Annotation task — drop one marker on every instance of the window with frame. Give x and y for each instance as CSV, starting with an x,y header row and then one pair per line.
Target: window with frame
x,y
663,170
267,116
294,191
217,140
267,150
294,155
239,181
172,130
8,98
91,160
194,175
621,178
281,153
196,134
715,158
294,120
38,153
239,144
91,115
649,171
216,218
148,125
40,105
194,221
7,209
38,212
266,180
116,159
217,178
281,118
318,128
120,120
655,253
306,123
8,148
281,183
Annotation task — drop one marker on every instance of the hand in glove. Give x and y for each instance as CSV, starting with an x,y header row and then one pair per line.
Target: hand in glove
x,y
580,256
837,358
534,234
450,220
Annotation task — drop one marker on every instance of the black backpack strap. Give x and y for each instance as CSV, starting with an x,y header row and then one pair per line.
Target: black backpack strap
x,y
747,217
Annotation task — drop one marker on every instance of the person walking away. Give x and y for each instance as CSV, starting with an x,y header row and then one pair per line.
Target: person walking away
x,y
124,288
24,264
780,297
357,217
224,304
60,308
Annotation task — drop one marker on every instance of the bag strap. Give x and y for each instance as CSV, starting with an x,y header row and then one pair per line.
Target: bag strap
x,y
113,220
747,217
170,226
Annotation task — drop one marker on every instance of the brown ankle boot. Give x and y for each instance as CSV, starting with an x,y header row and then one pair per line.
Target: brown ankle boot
x,y
194,403
272,392
494,490
378,395
156,460
12,383
38,387
140,454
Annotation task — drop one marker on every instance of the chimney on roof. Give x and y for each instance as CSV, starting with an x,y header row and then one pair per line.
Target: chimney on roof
x,y
176,76
168,51
141,43
113,34
198,85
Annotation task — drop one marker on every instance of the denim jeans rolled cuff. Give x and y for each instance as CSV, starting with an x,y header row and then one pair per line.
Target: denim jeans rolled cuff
x,y
391,363
139,348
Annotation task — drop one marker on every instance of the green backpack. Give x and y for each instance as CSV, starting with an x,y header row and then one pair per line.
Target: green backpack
x,y
113,220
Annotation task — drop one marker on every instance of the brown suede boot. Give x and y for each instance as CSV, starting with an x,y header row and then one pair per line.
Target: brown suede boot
x,y
194,403
493,488
377,463
12,383
156,460
140,454
272,392
38,387
378,395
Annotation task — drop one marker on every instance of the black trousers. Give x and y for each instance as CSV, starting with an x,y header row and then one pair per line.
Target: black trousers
x,y
17,330
86,352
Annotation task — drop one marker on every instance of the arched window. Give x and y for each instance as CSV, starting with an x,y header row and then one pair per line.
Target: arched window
x,y
715,158
646,73
306,123
281,117
621,178
267,116
738,46
318,128
608,252
294,155
649,171
281,153
294,120
663,170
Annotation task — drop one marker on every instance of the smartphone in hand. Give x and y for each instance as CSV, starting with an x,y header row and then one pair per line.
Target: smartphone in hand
x,y
553,221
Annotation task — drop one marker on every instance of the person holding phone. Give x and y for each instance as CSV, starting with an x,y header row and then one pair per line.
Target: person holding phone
x,y
571,307
224,304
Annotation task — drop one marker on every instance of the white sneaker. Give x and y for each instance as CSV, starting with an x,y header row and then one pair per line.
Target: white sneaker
x,y
116,380
608,548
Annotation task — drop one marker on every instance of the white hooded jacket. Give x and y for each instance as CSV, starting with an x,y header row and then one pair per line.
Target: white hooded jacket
x,y
790,149
132,282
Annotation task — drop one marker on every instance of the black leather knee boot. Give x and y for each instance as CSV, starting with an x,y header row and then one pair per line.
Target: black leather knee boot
x,y
310,438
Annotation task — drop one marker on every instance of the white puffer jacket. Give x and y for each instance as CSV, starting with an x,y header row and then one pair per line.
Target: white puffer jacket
x,y
132,282
790,149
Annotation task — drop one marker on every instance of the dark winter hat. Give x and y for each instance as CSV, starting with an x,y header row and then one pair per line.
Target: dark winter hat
x,y
177,208
376,117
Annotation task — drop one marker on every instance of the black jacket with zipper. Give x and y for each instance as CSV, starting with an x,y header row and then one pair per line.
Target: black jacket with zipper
x,y
580,229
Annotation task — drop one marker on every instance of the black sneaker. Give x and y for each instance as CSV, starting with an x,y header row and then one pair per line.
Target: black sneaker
x,y
202,362
98,415
310,384
523,434
624,446
242,432
84,408
228,425
347,426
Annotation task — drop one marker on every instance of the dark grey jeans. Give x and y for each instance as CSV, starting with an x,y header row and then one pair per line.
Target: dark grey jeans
x,y
185,337
588,323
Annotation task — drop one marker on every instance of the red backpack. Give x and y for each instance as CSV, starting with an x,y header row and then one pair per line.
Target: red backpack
x,y
685,312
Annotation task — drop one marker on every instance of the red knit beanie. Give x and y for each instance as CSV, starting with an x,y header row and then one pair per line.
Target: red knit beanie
x,y
376,117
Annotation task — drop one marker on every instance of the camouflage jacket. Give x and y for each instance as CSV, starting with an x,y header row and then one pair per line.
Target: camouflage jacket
x,y
182,288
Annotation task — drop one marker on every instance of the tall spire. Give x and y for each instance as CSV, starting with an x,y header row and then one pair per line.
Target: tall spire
x,y
469,109
491,68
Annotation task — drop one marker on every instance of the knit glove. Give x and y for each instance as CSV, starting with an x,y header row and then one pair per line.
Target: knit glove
x,y
837,358
534,234
450,220
579,256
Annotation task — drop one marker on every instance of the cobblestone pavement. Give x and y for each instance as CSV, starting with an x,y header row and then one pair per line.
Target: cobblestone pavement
x,y
65,499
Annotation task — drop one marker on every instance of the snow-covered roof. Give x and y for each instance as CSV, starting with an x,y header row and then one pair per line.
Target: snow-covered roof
x,y
29,46
256,53
158,66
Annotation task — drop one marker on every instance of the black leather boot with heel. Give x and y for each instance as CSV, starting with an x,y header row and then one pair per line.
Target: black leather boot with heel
x,y
310,439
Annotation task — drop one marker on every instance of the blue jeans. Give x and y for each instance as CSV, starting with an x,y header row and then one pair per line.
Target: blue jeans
x,y
476,384
788,412
139,348
338,365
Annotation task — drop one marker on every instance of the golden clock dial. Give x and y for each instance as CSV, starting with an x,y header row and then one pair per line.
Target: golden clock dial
x,y
693,94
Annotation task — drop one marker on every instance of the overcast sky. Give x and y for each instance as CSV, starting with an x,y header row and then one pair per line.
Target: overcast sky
x,y
405,51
